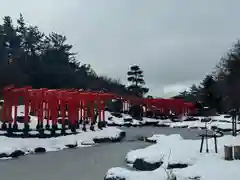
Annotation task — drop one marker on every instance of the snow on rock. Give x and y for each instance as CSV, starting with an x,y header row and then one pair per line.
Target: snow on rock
x,y
166,149
175,149
124,174
150,120
161,121
127,117
222,117
187,124
125,120
224,126
222,122
83,139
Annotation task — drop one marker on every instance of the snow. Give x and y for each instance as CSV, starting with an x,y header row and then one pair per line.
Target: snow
x,y
174,149
158,174
162,151
82,139
8,145
221,122
112,120
222,118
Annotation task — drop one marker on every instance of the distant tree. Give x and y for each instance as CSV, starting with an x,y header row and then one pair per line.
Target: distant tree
x,y
209,93
136,78
191,95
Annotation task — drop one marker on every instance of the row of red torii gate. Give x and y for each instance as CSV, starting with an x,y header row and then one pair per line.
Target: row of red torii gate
x,y
76,105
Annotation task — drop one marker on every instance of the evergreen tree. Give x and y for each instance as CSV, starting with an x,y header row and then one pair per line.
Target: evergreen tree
x,y
29,57
136,78
208,91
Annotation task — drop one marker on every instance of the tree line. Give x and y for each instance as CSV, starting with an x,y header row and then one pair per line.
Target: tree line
x,y
220,89
28,57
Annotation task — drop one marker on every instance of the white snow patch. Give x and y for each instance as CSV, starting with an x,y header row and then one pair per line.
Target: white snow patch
x,y
158,174
162,151
175,149
8,145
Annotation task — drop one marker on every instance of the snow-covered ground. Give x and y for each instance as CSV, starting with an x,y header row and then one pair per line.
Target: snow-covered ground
x,y
81,139
223,122
220,122
174,149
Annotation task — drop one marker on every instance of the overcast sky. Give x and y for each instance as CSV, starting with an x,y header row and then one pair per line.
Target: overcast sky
x,y
175,42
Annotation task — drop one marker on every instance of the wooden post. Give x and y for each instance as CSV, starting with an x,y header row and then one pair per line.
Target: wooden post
x,y
236,152
228,151
201,147
215,143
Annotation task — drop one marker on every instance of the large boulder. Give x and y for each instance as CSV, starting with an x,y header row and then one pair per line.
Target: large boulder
x,y
142,165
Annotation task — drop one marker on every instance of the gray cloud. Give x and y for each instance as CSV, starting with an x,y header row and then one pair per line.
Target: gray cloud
x,y
175,42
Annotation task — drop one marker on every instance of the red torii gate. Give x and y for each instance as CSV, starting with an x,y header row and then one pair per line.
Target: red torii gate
x,y
45,101
178,106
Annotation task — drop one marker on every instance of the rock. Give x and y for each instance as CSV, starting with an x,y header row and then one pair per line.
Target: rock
x,y
191,119
16,154
71,145
142,165
182,126
128,124
145,139
177,165
151,123
109,139
163,125
3,155
39,150
112,124
142,138
117,114
150,141
114,178
128,119
87,143
205,120
220,129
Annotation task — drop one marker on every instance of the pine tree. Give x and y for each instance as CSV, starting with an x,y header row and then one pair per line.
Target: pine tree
x,y
136,78
209,91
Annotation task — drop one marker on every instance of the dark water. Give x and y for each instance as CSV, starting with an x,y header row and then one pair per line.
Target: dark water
x,y
82,163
